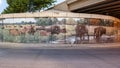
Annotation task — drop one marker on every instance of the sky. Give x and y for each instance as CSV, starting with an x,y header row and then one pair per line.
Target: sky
x,y
0,1
3,4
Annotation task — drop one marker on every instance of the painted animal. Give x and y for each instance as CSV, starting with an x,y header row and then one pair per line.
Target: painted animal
x,y
52,29
31,30
98,32
14,32
81,30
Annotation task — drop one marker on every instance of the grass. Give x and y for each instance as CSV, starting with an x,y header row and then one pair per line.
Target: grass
x,y
36,38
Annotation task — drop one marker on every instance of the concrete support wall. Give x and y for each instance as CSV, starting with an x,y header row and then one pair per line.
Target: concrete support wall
x,y
83,3
70,5
62,6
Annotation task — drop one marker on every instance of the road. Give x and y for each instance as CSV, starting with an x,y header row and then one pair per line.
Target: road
x,y
60,58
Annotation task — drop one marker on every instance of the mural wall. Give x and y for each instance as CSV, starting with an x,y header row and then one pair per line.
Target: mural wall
x,y
58,30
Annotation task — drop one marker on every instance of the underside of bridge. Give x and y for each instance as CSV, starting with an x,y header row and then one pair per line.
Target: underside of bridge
x,y
107,7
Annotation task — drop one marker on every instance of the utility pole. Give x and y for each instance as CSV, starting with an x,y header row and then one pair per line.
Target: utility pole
x,y
31,6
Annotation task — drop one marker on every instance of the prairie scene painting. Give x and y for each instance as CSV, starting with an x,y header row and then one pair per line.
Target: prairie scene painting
x,y
57,30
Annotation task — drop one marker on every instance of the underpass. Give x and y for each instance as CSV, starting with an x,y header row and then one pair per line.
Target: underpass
x,y
105,7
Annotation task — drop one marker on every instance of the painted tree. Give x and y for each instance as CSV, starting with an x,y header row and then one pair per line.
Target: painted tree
x,y
18,6
46,21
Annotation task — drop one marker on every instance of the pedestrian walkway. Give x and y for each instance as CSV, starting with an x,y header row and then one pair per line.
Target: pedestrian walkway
x,y
58,46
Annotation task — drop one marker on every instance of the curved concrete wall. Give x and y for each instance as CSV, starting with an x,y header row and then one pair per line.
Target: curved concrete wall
x,y
55,27
52,13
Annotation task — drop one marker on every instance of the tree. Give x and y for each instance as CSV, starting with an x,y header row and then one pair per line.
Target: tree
x,y
18,6
71,21
43,21
63,21
54,21
46,21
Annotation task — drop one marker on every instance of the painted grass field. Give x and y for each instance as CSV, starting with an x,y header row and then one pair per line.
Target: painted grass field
x,y
27,38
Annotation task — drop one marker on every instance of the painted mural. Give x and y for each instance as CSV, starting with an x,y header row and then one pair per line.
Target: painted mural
x,y
58,30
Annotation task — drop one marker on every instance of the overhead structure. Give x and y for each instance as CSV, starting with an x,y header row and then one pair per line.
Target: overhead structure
x,y
106,7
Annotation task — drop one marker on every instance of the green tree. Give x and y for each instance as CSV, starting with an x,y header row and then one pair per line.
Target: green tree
x,y
54,21
63,21
46,21
18,6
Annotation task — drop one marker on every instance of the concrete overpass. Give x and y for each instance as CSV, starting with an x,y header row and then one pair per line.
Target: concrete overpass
x,y
106,7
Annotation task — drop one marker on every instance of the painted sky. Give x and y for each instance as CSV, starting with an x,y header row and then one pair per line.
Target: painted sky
x,y
3,4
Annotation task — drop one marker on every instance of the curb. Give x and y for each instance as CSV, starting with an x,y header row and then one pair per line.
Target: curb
x,y
58,46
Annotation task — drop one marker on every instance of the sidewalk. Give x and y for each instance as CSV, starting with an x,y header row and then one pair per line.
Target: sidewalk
x,y
58,46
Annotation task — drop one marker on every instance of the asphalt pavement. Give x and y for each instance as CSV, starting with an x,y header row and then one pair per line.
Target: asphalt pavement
x,y
60,58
